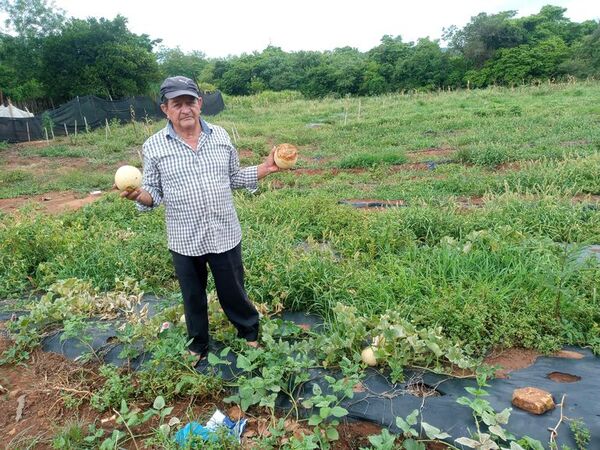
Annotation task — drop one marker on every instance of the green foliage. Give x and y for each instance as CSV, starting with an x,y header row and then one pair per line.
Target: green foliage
x,y
117,388
70,436
491,49
581,433
117,63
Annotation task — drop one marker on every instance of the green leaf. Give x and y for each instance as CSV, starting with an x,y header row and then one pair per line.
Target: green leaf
x,y
533,443
401,423
433,432
468,442
159,403
502,417
476,392
244,363
308,403
338,411
124,409
324,412
411,444
314,420
316,389
498,431
133,421
412,418
213,360
332,434
434,348
466,401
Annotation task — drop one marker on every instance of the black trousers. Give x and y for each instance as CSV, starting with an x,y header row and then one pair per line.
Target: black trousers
x,y
228,273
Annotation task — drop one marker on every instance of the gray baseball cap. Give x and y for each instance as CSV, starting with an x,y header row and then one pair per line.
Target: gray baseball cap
x,y
175,86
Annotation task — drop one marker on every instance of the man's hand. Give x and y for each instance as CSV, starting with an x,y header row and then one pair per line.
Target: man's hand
x,y
268,166
138,195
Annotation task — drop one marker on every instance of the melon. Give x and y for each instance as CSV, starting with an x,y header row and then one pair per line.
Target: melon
x,y
128,178
368,357
286,156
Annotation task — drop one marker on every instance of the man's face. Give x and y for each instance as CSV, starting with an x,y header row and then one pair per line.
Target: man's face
x,y
183,111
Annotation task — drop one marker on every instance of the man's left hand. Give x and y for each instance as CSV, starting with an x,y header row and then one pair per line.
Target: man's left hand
x,y
268,166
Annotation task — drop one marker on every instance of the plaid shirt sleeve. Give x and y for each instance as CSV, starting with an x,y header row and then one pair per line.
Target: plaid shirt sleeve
x,y
151,182
242,178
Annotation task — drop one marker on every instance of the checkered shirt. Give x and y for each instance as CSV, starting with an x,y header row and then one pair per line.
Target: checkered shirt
x,y
196,187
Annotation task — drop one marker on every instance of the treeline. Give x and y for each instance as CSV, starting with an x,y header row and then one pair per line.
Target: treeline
x,y
47,55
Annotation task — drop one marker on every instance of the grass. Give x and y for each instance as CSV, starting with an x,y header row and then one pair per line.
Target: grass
x,y
487,274
486,247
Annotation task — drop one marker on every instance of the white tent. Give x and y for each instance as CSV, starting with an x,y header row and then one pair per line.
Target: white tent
x,y
13,112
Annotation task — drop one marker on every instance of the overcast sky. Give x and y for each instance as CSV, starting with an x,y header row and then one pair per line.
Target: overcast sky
x,y
231,27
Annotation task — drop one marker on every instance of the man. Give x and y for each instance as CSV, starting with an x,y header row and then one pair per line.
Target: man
x,y
192,167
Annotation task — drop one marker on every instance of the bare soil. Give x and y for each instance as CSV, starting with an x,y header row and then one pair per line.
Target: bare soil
x,y
30,403
513,359
471,202
246,153
430,152
51,202
561,377
40,164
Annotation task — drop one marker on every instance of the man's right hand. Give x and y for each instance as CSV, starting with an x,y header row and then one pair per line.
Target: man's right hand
x,y
138,195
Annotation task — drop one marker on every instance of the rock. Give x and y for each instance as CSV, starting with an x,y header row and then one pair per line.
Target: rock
x,y
533,400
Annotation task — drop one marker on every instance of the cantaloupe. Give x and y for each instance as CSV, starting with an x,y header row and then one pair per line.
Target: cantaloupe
x,y
286,156
368,357
128,178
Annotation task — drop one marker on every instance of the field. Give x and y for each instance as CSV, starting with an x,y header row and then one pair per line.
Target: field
x,y
492,193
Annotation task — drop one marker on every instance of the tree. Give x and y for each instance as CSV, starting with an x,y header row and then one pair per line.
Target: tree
x,y
585,59
339,72
32,18
173,61
484,35
423,67
29,22
525,63
98,56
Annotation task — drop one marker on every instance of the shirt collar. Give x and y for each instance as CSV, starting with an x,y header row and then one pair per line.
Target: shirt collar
x,y
206,128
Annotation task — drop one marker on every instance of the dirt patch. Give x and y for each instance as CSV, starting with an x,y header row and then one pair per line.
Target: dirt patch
x,y
35,144
246,153
568,354
411,166
470,202
508,166
430,152
355,435
586,198
36,393
50,202
40,164
511,359
31,405
576,143
561,377
519,358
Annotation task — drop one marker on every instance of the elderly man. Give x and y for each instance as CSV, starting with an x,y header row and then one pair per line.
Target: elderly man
x,y
192,167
